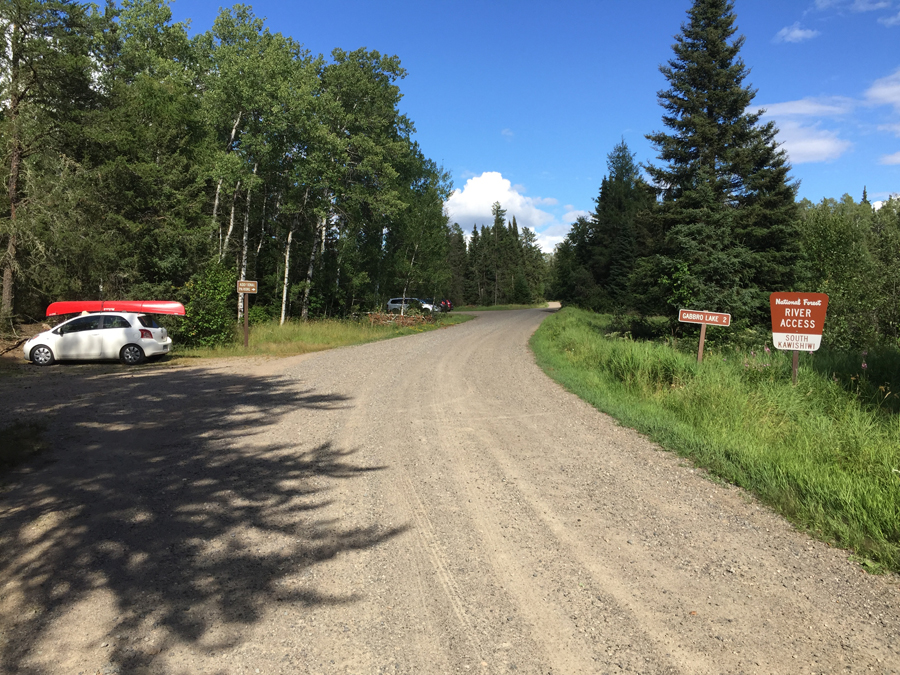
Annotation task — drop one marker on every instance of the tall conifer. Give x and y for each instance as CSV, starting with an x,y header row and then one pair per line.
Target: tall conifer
x,y
728,204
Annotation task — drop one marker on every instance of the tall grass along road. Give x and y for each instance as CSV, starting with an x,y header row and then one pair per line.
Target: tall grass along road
x,y
429,504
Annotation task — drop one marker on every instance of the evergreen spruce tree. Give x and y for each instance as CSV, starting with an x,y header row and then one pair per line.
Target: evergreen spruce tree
x,y
474,269
728,208
623,193
458,264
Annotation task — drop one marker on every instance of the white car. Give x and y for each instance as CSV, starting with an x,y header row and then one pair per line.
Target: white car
x,y
396,305
126,336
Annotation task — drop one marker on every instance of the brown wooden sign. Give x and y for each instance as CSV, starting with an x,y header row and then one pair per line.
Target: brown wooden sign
x,y
709,318
246,287
705,319
798,320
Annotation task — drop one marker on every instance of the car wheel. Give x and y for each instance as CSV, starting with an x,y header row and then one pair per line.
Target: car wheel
x,y
131,355
42,355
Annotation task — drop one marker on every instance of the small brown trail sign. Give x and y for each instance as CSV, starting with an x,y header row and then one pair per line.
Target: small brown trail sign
x,y
797,323
705,319
246,287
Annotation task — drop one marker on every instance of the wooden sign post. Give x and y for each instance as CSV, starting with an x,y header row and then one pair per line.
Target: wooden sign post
x,y
704,319
246,287
797,323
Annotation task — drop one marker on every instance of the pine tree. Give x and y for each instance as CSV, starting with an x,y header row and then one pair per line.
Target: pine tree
x,y
623,193
728,207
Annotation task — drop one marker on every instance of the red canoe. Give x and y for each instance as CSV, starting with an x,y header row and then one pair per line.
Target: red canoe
x,y
147,306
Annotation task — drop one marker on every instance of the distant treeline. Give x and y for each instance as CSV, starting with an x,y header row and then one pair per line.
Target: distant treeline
x,y
717,226
145,163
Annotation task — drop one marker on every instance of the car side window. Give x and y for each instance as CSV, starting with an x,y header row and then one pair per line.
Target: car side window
x,y
148,321
115,322
81,324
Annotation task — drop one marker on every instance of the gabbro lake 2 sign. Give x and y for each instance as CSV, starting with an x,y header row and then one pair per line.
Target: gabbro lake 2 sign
x,y
798,320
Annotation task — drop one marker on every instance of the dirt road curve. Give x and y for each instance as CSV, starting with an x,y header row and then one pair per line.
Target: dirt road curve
x,y
430,504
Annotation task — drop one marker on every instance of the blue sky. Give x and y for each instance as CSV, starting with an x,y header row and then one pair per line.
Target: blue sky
x,y
522,101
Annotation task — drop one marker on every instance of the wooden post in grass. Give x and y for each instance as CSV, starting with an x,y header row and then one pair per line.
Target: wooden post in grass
x,y
705,319
246,287
702,340
797,323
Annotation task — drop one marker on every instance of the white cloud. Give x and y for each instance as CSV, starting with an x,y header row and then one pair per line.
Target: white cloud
x,y
869,5
808,143
890,20
795,34
887,195
885,91
855,6
892,128
544,201
573,214
831,106
890,159
553,235
507,134
471,205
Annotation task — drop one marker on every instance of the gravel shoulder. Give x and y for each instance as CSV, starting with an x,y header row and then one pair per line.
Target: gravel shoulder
x,y
428,504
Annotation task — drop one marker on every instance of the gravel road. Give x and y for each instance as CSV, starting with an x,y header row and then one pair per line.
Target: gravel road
x,y
428,504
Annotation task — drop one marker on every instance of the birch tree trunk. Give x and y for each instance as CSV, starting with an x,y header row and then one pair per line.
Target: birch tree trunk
x,y
224,248
219,184
287,268
244,243
262,229
304,308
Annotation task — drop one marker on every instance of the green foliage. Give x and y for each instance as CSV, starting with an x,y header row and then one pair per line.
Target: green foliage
x,y
852,252
521,292
159,152
600,252
501,262
259,314
209,300
825,453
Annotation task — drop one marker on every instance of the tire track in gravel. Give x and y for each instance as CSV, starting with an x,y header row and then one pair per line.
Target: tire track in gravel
x,y
600,551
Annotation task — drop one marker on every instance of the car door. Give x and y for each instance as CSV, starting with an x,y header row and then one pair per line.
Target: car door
x,y
80,338
114,335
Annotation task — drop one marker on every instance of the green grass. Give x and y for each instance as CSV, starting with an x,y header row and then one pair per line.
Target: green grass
x,y
824,453
19,442
296,337
498,308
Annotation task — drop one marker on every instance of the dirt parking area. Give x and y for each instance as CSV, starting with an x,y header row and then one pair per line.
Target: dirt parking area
x,y
429,504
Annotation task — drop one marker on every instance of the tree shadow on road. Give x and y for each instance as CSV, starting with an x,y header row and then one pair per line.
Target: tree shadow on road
x,y
172,494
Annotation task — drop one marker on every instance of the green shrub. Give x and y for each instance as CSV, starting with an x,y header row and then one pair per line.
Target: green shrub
x,y
259,314
211,307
